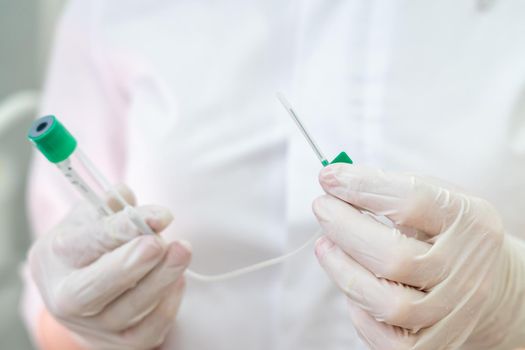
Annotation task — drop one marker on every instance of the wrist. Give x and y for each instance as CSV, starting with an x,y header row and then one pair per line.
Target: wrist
x,y
52,335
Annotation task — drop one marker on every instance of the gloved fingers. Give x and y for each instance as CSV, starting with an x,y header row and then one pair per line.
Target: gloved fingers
x,y
85,292
381,249
79,242
152,330
392,303
378,335
125,192
437,182
405,199
414,233
135,304
119,229
85,212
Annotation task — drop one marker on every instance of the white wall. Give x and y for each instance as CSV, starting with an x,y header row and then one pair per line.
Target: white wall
x,y
18,25
48,12
26,31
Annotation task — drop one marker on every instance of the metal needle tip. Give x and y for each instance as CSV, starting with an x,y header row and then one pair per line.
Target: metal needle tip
x,y
286,104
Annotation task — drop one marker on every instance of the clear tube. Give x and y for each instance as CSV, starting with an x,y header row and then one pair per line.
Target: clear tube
x,y
252,268
94,187
79,175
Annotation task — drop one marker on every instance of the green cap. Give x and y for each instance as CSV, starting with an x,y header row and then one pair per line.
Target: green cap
x,y
52,139
342,158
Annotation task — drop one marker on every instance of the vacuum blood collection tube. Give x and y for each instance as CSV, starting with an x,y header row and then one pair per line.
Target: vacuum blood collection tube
x,y
55,142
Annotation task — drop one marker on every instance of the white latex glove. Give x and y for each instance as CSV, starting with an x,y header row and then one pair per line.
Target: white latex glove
x,y
445,277
111,286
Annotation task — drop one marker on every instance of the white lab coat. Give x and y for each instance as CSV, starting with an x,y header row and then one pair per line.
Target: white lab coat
x,y
176,98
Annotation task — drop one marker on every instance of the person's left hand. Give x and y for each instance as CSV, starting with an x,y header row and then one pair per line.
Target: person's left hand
x,y
443,275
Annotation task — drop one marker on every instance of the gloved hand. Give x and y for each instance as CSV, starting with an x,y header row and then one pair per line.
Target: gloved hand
x,y
444,275
111,286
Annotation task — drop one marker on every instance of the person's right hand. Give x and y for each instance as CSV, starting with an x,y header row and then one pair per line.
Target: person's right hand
x,y
113,287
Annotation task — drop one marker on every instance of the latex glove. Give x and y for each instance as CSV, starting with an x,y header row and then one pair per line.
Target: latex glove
x,y
111,286
445,276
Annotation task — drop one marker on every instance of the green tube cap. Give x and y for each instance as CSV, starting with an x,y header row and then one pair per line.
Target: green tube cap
x,y
52,139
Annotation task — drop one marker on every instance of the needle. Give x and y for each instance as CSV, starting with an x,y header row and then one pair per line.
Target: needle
x,y
301,127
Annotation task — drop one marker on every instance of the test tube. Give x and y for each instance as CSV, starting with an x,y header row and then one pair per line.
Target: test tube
x,y
57,144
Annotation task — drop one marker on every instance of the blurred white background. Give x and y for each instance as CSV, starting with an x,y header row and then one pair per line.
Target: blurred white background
x,y
26,31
